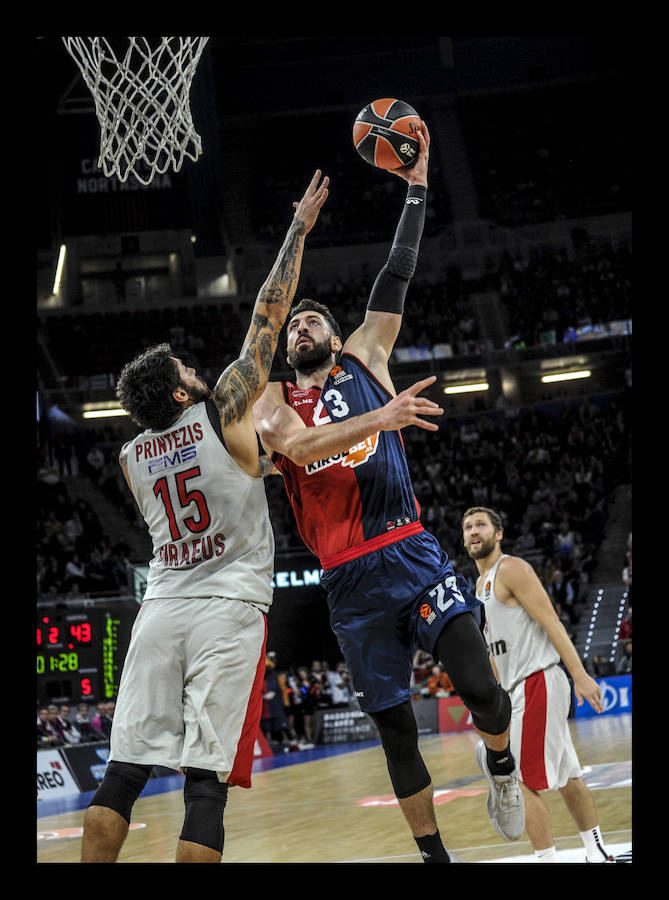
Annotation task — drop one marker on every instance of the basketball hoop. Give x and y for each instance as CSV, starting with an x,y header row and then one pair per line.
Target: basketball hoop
x,y
141,96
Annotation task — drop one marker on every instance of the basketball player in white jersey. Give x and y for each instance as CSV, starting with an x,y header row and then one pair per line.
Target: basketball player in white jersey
x,y
190,695
526,641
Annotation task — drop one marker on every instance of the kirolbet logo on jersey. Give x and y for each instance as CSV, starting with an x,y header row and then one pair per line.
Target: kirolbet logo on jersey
x,y
359,454
355,456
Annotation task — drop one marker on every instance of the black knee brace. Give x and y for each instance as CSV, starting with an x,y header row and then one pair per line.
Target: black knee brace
x,y
462,651
491,714
121,786
399,735
204,798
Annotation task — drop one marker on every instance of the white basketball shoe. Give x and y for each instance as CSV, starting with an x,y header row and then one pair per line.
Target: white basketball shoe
x,y
506,806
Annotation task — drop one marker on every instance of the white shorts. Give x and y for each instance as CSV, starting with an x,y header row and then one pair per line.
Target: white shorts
x,y
191,687
540,738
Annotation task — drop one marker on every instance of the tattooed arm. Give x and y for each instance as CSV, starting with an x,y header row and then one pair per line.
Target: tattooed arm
x,y
245,379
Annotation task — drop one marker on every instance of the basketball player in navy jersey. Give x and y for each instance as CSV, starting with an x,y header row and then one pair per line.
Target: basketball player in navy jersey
x,y
190,696
390,585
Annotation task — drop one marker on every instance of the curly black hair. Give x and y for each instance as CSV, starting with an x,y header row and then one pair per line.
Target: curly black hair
x,y
145,385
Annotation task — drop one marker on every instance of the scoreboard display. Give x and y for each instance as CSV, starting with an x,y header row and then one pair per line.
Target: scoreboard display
x,y
80,651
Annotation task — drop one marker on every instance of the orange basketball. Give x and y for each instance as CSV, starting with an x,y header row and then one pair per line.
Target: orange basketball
x,y
384,133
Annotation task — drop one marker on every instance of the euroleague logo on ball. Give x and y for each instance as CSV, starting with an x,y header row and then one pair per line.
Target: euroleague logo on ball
x,y
384,133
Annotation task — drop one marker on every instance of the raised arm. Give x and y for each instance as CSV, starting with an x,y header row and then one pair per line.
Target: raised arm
x,y
281,429
374,340
245,379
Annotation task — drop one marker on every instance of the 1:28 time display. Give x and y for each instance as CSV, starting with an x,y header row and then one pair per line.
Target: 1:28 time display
x,y
57,662
80,650
68,655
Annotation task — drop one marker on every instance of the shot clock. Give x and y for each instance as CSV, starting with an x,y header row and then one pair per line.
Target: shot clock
x,y
80,651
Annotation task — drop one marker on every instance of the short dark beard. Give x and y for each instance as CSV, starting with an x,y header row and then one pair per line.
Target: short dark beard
x,y
198,393
485,549
308,361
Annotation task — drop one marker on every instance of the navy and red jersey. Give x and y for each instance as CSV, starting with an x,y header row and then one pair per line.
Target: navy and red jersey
x,y
359,500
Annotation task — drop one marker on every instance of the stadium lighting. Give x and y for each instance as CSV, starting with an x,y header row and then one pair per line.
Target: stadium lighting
x,y
59,270
566,376
466,388
104,413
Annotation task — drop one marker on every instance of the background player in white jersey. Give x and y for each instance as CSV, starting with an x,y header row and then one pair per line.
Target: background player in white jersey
x,y
190,695
526,641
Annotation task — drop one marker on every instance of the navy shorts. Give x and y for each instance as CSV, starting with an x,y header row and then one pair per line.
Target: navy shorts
x,y
385,604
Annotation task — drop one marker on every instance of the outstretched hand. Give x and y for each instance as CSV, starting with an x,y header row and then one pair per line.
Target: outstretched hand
x,y
405,408
314,197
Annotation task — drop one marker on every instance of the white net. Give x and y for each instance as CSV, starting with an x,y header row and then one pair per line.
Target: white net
x,y
142,101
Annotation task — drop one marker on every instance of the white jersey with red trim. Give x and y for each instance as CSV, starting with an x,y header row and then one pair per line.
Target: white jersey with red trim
x,y
208,519
519,646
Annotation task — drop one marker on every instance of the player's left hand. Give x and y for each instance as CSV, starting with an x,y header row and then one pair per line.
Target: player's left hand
x,y
406,408
417,173
314,197
586,688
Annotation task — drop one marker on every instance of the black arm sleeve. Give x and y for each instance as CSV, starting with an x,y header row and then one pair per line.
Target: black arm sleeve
x,y
390,287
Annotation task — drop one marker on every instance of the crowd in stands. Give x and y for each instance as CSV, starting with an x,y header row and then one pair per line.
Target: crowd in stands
x,y
292,695
58,725
364,203
555,152
541,155
74,554
102,342
543,297
551,295
548,470
538,155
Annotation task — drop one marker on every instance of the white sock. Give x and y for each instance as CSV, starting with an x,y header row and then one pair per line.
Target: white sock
x,y
547,855
595,851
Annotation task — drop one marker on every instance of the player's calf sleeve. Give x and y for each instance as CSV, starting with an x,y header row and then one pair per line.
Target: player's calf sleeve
x,y
462,651
399,735
121,786
204,798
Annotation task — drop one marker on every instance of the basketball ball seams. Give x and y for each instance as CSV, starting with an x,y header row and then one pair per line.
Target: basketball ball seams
x,y
385,155
384,133
360,132
382,107
401,124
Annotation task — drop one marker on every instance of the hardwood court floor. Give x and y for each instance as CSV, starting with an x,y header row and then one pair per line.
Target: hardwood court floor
x,y
340,809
